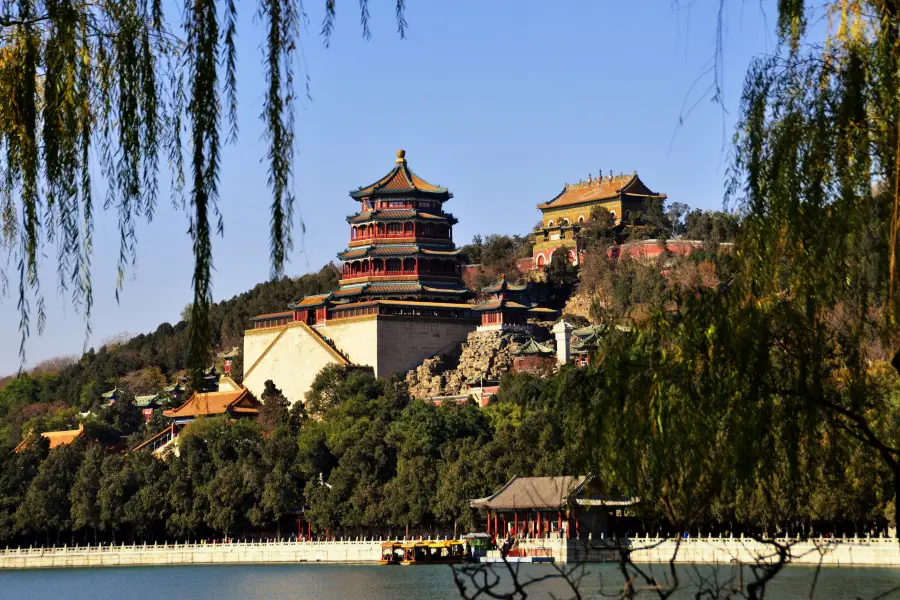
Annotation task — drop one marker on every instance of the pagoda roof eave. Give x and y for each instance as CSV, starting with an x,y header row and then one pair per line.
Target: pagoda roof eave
x,y
383,251
400,215
417,303
401,181
443,196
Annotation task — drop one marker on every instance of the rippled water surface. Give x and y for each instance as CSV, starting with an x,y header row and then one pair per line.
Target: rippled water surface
x,y
315,582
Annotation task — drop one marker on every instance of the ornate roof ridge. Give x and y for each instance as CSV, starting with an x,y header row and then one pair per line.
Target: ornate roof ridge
x,y
598,181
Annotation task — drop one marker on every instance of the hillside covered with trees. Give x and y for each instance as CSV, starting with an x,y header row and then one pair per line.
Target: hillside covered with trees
x,y
51,394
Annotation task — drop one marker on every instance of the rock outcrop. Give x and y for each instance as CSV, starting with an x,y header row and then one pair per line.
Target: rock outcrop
x,y
485,354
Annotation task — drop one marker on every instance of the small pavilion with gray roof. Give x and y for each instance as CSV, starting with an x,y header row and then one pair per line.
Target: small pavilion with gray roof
x,y
540,507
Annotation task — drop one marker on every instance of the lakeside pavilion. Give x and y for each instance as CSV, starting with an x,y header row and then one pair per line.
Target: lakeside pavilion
x,y
564,507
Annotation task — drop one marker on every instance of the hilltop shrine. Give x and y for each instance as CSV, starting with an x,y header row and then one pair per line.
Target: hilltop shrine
x,y
624,196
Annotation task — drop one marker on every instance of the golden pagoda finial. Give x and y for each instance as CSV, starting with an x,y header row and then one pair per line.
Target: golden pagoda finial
x,y
401,157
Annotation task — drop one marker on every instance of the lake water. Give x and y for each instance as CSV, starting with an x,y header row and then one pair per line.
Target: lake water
x,y
315,582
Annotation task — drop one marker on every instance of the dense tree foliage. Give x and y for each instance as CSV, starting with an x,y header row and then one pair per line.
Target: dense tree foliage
x,y
370,459
50,398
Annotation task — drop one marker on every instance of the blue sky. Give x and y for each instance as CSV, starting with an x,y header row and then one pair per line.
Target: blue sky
x,y
502,102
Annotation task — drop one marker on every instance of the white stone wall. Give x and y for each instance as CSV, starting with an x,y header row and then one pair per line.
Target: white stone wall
x,y
355,338
292,362
387,344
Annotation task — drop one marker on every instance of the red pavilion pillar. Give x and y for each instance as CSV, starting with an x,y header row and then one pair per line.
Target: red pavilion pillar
x,y
489,523
516,522
540,526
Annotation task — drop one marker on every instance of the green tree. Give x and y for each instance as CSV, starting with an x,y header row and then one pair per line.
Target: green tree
x,y
274,411
45,509
84,493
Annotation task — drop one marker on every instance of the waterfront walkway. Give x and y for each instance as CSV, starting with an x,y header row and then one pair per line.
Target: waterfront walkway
x,y
710,550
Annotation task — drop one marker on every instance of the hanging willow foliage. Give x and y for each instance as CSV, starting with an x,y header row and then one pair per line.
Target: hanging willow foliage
x,y
815,173
815,167
112,83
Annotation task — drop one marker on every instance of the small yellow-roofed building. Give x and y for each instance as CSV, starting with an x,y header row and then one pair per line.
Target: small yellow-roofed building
x,y
57,438
234,400
236,403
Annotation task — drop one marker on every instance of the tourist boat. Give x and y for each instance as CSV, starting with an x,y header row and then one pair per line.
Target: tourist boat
x,y
391,553
442,552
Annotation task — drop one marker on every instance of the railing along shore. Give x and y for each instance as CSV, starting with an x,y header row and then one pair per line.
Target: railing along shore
x,y
721,550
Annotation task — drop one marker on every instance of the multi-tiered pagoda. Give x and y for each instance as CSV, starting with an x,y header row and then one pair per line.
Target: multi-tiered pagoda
x,y
401,241
401,248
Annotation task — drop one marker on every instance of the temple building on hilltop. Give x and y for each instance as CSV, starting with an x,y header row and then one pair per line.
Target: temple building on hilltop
x,y
562,217
401,242
399,301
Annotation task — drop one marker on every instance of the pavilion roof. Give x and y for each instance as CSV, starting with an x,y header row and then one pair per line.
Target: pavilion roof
x,y
588,337
500,304
533,493
349,291
533,347
61,438
399,181
278,315
148,399
605,188
503,286
308,301
216,403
